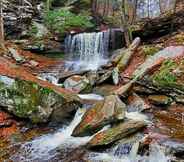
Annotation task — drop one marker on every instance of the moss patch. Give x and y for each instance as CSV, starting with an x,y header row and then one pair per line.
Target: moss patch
x,y
26,99
149,50
165,77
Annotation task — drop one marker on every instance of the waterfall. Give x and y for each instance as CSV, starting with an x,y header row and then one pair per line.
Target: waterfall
x,y
88,50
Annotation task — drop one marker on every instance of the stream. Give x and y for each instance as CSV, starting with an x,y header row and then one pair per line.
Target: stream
x,y
48,147
89,51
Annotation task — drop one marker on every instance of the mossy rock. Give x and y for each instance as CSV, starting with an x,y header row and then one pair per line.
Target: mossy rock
x,y
110,110
26,99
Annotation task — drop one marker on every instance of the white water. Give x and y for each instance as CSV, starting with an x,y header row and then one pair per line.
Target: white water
x,y
43,148
87,50
90,97
157,154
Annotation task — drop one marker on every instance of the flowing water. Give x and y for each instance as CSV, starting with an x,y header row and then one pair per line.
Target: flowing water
x,y
156,155
87,50
45,148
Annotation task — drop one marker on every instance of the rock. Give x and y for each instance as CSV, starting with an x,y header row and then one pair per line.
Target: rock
x,y
115,76
14,53
136,103
143,90
160,99
123,89
127,54
92,77
107,75
111,110
41,29
33,63
116,56
104,89
172,52
77,83
115,133
26,99
63,76
128,145
90,98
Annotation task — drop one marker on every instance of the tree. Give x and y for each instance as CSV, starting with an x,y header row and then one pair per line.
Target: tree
x,y
124,24
1,26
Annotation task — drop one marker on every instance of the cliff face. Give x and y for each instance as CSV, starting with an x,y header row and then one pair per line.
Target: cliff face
x,y
18,15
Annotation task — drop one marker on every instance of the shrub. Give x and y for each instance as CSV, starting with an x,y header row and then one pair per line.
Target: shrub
x,y
63,20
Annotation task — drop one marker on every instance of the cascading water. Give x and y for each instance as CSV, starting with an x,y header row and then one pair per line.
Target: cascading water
x,y
44,148
126,153
87,50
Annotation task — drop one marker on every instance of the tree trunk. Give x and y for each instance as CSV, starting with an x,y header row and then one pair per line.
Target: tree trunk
x,y
1,26
124,25
48,5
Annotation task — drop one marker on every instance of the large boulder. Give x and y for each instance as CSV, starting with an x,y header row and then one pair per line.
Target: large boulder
x,y
110,110
26,96
115,133
26,99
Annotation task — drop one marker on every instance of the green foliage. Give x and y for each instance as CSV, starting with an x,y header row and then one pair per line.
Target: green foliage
x,y
165,77
63,20
33,30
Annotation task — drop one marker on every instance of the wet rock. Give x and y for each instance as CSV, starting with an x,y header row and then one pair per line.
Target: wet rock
x,y
136,103
63,76
105,89
170,122
160,99
77,83
106,76
115,76
142,89
90,98
115,133
112,109
128,145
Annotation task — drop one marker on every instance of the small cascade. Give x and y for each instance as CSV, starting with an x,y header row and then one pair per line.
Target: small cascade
x,y
44,148
87,50
128,153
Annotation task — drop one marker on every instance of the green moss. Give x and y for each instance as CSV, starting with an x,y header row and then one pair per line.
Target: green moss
x,y
165,77
26,98
150,50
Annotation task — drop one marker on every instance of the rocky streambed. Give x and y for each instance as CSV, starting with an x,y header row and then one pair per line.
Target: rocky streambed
x,y
127,110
